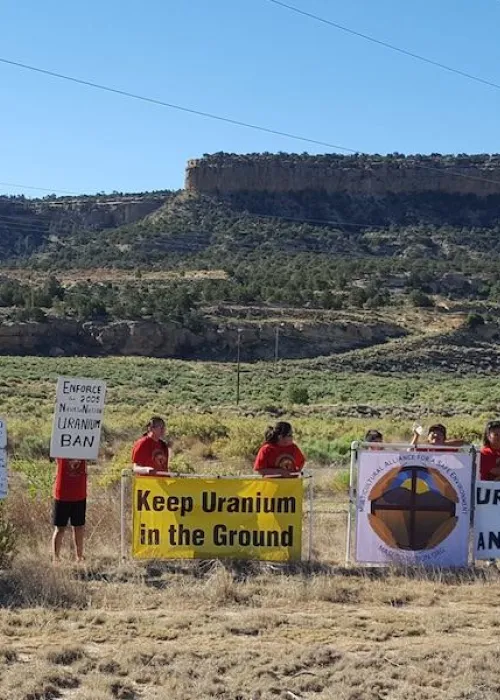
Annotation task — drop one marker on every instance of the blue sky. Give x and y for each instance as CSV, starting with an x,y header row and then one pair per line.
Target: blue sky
x,y
245,59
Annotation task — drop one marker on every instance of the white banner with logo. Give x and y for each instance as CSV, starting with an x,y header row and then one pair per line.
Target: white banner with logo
x,y
413,507
487,520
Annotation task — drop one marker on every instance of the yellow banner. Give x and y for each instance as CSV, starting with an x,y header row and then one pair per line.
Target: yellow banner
x,y
176,518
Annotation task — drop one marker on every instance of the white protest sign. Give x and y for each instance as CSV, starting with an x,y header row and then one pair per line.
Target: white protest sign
x,y
487,520
3,434
413,508
78,418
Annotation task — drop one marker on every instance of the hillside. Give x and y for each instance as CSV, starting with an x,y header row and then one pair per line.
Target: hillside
x,y
175,273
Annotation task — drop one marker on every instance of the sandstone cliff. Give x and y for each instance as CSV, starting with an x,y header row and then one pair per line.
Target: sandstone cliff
x,y
358,174
58,337
63,215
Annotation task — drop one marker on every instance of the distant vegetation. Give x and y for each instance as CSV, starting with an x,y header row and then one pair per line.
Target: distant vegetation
x,y
313,249
357,159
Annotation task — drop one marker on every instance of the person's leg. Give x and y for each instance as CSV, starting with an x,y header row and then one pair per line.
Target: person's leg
x,y
59,520
78,510
57,540
78,536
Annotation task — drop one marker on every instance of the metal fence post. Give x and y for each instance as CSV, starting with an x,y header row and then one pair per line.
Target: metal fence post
x,y
354,454
123,515
311,507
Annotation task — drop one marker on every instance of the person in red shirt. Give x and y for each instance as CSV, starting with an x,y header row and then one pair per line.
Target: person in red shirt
x,y
489,456
279,456
70,502
150,452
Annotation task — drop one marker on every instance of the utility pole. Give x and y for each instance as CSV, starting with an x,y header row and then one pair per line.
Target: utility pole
x,y
238,345
277,342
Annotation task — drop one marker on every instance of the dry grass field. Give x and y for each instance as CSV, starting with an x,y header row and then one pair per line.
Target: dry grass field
x,y
232,630
205,630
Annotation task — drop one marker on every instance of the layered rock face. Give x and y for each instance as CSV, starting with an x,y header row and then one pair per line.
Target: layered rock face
x,y
92,213
362,175
58,337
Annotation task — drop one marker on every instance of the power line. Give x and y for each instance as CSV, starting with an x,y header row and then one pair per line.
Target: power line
x,y
31,187
247,125
100,198
64,227
386,44
171,105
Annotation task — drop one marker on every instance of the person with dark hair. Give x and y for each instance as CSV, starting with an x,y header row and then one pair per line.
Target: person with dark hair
x,y
279,456
489,456
436,437
374,436
150,452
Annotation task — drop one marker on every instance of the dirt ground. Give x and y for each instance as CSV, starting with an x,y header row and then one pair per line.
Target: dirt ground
x,y
244,631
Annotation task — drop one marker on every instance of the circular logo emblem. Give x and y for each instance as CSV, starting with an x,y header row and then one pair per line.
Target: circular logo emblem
x,y
286,462
413,508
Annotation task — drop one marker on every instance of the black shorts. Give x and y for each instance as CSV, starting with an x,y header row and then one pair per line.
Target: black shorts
x,y
74,511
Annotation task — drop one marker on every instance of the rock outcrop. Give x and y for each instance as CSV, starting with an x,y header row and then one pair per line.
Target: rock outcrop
x,y
58,337
358,174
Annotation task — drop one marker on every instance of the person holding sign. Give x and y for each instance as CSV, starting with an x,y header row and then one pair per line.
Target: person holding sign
x,y
150,452
436,437
70,502
489,457
279,456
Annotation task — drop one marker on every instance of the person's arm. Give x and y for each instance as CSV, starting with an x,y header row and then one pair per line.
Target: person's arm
x,y
415,438
140,458
142,470
300,460
488,471
277,473
264,464
261,462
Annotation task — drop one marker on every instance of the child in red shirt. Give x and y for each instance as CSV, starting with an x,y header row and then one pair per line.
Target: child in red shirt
x,y
489,457
279,455
150,452
70,503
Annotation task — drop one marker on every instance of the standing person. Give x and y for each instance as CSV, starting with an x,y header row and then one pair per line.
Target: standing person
x,y
436,437
279,455
70,503
150,452
489,456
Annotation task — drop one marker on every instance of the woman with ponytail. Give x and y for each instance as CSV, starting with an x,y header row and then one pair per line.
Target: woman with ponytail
x,y
150,452
279,456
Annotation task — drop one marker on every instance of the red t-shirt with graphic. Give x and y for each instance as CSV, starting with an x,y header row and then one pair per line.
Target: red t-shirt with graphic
x,y
488,460
272,456
71,480
148,452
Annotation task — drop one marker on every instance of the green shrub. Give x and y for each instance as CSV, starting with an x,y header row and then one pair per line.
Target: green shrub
x,y
179,464
340,482
474,321
327,451
420,299
298,393
39,476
